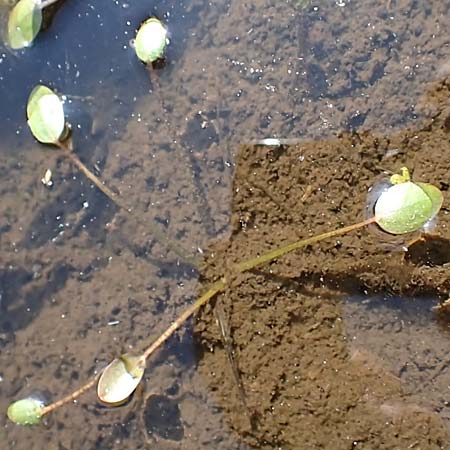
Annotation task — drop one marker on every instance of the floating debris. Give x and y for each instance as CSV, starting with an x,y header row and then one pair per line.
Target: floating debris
x,y
46,180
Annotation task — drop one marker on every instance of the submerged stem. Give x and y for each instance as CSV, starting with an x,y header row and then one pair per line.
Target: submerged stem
x,y
91,177
278,252
211,292
215,288
243,267
159,235
68,398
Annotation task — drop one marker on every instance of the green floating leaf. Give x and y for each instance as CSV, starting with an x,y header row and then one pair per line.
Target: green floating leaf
x,y
45,114
36,94
26,411
435,195
408,206
24,23
119,379
150,40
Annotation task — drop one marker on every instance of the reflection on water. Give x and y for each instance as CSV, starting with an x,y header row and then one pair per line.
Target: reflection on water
x,y
81,281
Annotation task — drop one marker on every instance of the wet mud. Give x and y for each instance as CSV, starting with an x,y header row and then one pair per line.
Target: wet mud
x,y
81,281
297,323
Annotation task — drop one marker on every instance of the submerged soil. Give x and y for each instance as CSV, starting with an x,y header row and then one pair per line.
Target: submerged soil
x,y
307,386
81,281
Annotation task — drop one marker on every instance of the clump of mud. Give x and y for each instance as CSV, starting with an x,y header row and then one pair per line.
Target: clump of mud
x,y
305,386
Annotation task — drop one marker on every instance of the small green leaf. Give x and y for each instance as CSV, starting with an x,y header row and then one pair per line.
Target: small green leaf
x,y
45,115
24,23
36,94
407,206
435,195
119,379
26,411
150,40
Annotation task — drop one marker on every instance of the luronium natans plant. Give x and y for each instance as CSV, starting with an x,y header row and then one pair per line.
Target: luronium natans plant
x,y
25,21
404,207
46,119
151,40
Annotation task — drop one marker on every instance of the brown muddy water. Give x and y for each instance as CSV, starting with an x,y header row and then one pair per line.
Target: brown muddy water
x,y
337,347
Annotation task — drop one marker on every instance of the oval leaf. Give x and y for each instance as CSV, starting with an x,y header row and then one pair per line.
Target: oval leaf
x,y
435,195
45,115
406,207
119,379
150,40
36,94
24,23
26,411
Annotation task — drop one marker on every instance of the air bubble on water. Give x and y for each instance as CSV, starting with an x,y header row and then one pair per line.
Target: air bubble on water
x,y
430,225
373,195
41,397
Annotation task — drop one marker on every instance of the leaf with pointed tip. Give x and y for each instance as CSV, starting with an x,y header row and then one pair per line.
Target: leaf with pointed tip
x,y
45,115
24,23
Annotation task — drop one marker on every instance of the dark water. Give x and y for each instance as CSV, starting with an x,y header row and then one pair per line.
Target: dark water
x,y
80,281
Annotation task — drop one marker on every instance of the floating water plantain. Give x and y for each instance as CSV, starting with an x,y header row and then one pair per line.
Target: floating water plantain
x,y
27,411
407,206
400,211
24,23
45,114
151,40
119,379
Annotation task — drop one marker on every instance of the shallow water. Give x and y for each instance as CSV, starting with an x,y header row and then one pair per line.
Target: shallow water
x,y
81,281
403,337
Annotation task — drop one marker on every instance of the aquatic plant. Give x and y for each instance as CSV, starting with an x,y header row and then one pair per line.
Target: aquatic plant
x,y
25,21
45,113
403,207
46,120
151,40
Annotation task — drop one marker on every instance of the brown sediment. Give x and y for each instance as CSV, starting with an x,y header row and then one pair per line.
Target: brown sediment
x,y
303,381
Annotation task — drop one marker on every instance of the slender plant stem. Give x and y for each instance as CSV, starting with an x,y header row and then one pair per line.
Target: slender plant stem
x,y
278,252
211,292
203,208
68,398
159,235
215,288
90,176
243,267
97,182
